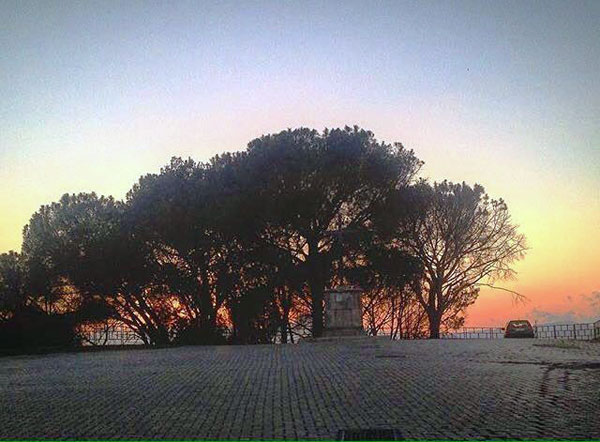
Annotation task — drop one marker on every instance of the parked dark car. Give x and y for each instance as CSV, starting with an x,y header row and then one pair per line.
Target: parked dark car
x,y
518,329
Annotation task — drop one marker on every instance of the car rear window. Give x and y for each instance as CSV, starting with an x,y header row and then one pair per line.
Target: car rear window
x,y
519,323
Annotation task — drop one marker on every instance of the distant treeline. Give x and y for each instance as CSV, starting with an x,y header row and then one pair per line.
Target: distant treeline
x,y
241,249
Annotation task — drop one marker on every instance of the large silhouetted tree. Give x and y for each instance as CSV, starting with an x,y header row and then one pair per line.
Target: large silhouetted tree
x,y
310,184
189,214
462,238
81,246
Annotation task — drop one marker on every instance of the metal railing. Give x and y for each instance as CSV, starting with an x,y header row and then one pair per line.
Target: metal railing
x,y
475,333
117,334
580,332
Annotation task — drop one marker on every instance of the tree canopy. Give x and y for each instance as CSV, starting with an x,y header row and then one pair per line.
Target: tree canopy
x,y
242,247
462,239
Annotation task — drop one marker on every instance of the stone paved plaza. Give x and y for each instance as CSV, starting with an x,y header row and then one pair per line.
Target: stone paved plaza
x,y
425,389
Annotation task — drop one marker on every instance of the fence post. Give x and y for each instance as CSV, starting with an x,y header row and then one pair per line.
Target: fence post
x,y
574,332
554,331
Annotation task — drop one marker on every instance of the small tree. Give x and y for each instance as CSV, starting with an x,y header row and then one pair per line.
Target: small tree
x,y
463,240
388,275
12,284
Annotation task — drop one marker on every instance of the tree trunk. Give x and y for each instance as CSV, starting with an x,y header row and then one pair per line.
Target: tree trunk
x,y
316,287
434,324
316,290
208,311
159,337
285,325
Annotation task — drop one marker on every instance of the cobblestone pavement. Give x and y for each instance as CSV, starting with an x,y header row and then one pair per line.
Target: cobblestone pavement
x,y
425,389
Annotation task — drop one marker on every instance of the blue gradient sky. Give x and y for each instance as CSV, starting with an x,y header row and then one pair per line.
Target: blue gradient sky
x,y
506,94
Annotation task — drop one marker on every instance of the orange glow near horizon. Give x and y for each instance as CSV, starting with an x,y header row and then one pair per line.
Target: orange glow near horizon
x,y
559,276
96,95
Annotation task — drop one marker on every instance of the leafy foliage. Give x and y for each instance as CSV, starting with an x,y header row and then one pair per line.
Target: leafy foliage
x,y
242,247
462,239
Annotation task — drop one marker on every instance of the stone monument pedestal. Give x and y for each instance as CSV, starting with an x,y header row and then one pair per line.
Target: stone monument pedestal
x,y
343,312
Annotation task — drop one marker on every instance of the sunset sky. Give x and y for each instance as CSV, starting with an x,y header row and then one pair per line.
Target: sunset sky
x,y
505,94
